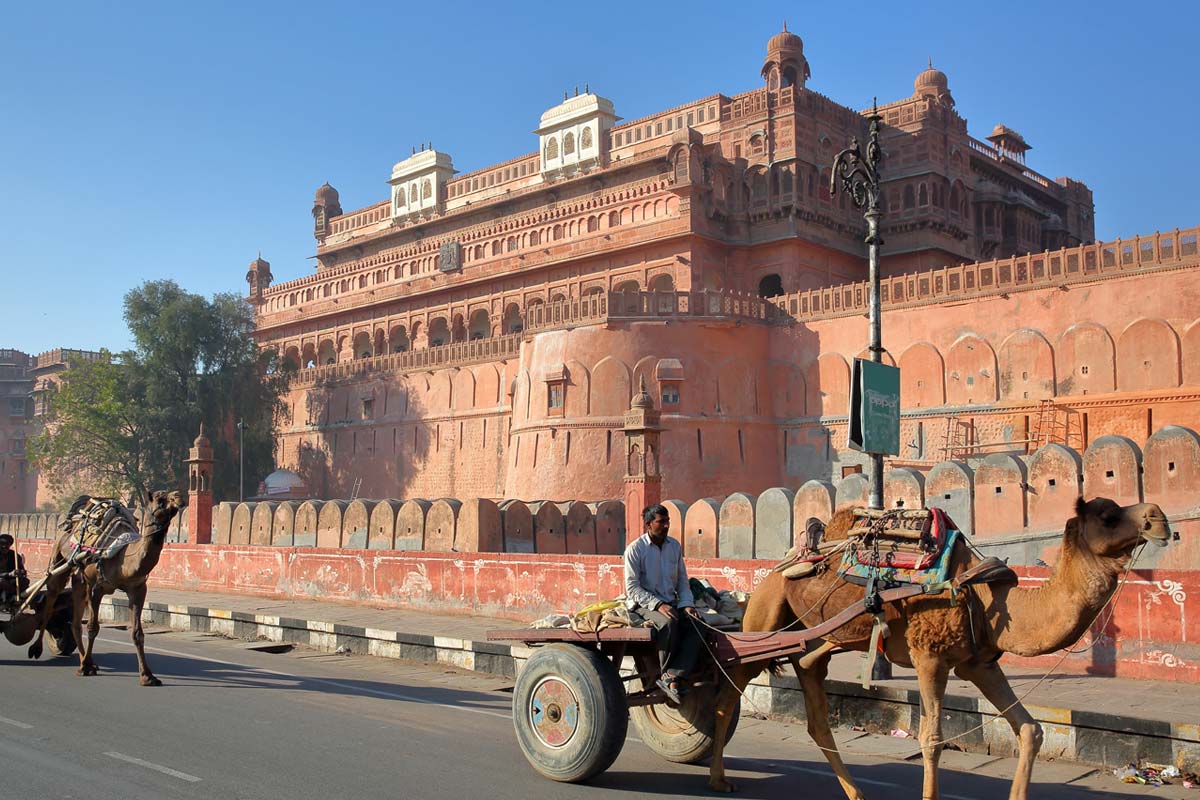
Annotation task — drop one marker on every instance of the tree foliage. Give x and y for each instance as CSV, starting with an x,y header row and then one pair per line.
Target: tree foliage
x,y
128,421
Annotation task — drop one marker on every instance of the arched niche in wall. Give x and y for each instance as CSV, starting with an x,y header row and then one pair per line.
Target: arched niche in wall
x,y
1026,364
970,372
1147,356
828,380
1085,361
1191,354
611,388
922,377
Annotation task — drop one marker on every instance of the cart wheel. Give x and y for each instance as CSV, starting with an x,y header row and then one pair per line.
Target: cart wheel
x,y
569,712
685,734
60,642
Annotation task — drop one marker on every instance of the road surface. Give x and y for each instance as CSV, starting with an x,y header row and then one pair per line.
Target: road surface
x,y
237,723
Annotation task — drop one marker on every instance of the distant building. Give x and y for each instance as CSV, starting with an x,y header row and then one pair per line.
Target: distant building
x,y
26,385
481,334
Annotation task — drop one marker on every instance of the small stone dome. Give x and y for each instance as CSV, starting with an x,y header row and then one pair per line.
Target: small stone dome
x,y
642,399
931,78
202,439
283,482
932,83
784,40
326,196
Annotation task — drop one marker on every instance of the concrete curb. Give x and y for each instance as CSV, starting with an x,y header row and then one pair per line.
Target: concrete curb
x,y
1070,734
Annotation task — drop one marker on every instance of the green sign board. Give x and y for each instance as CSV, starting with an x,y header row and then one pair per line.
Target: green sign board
x,y
875,408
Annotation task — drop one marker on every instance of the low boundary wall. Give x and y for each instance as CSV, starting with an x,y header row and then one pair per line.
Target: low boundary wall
x,y
1150,634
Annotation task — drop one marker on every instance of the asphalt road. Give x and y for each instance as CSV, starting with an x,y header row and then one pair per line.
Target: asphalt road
x,y
237,723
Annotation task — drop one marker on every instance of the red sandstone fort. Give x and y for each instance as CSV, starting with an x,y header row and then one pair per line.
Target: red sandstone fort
x,y
482,334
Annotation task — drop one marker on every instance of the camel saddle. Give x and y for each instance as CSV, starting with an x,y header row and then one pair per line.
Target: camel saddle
x,y
98,522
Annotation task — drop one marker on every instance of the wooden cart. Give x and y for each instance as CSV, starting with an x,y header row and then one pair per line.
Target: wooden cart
x,y
571,707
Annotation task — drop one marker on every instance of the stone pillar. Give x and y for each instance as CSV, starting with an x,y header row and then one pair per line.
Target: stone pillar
x,y
643,481
200,499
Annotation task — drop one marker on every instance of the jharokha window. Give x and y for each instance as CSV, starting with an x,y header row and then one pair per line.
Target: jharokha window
x,y
670,395
556,393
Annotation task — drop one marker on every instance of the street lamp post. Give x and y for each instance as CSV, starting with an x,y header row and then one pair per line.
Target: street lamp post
x,y
858,176
241,460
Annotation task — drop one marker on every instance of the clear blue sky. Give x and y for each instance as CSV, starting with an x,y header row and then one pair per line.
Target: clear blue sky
x,y
145,140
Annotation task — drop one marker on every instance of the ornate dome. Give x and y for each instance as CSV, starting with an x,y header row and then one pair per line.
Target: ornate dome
x,y
327,195
932,83
784,40
931,78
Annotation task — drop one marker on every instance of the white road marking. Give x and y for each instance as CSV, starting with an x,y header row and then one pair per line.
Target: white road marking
x,y
15,723
324,681
174,773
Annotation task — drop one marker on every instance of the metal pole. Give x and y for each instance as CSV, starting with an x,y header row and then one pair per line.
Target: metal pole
x,y
241,461
858,175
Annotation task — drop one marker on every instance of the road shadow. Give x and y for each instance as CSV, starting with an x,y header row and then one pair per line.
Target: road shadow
x,y
201,672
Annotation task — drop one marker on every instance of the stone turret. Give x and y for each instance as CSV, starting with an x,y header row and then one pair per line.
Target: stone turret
x,y
643,480
326,206
200,498
259,277
785,64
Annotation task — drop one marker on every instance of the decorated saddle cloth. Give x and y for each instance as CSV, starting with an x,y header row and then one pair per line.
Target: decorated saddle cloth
x,y
101,525
903,548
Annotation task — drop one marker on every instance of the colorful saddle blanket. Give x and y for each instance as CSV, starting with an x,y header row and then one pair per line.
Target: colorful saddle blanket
x,y
901,547
858,567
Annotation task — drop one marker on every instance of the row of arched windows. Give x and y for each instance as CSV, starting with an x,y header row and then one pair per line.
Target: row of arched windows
x,y
441,331
568,143
426,193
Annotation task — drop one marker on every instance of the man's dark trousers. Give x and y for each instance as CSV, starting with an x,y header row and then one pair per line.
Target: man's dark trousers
x,y
677,640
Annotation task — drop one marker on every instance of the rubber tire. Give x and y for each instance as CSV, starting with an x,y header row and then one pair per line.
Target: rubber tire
x,y
60,641
603,715
683,735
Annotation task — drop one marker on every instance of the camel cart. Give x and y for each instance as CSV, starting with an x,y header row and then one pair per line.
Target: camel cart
x,y
571,705
24,613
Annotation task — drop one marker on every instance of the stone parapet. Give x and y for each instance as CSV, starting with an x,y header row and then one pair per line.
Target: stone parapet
x,y
1087,263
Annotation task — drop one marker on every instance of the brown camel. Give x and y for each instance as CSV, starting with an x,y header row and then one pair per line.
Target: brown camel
x,y
930,634
127,570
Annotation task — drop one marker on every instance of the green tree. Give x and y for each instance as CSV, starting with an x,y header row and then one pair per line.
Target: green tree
x,y
132,419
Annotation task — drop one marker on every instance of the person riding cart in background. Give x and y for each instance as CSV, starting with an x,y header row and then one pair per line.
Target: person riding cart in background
x,y
13,579
656,587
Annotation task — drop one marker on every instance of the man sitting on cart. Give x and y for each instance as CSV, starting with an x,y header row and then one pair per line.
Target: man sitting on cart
x,y
656,587
13,579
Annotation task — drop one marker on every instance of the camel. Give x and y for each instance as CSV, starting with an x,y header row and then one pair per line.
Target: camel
x,y
127,570
930,634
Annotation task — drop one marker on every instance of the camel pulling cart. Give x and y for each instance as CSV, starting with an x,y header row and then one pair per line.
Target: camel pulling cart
x,y
571,705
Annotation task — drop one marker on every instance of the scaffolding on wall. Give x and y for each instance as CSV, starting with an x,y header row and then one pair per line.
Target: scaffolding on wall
x,y
1054,424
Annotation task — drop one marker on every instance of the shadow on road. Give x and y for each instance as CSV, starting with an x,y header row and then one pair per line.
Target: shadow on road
x,y
201,672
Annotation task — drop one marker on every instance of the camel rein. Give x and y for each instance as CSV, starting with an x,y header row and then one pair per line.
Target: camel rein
x,y
1109,605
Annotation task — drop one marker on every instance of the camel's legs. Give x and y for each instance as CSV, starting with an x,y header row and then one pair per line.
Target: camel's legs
x,y
816,710
87,665
932,673
993,684
78,607
137,600
727,700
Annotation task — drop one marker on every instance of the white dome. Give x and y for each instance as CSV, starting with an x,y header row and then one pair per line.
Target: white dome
x,y
284,481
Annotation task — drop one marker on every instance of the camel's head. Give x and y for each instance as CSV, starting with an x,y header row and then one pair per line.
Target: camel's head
x,y
165,505
1113,531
